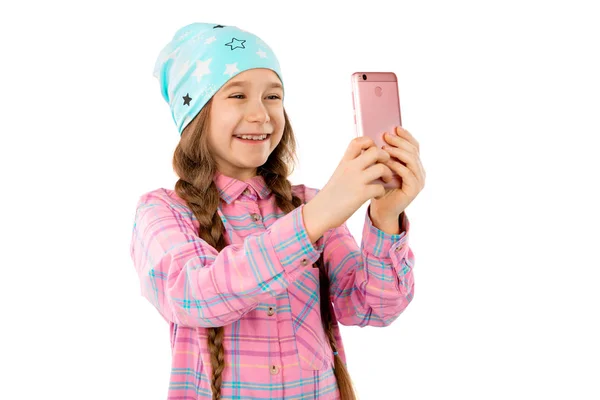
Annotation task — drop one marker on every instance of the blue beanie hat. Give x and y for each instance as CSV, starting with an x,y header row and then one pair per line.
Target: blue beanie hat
x,y
200,59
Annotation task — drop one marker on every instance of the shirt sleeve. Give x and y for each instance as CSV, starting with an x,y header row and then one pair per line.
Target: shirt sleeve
x,y
192,284
373,284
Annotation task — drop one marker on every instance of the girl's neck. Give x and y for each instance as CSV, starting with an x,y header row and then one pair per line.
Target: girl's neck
x,y
241,176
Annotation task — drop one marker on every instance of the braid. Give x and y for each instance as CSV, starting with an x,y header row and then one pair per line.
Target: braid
x,y
204,206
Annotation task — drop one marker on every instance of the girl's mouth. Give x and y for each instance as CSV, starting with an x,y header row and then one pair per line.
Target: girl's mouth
x,y
253,138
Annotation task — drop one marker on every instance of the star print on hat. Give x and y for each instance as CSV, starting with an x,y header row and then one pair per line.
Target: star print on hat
x,y
235,43
200,59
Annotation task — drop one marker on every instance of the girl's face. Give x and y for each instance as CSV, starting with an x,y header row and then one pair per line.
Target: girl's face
x,y
251,103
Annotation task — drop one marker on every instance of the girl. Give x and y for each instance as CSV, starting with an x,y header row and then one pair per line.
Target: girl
x,y
254,274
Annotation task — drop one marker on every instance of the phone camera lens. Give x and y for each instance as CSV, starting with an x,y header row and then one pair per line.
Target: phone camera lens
x,y
364,77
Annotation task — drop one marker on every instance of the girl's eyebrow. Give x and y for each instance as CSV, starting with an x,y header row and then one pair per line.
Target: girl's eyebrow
x,y
245,83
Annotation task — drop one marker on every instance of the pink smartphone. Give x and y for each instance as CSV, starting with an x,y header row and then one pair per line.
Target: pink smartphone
x,y
376,104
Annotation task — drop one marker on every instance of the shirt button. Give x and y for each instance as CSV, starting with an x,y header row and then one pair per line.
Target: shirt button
x,y
304,261
256,217
271,311
274,369
399,247
247,192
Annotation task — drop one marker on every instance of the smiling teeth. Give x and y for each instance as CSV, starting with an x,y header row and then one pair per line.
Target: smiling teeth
x,y
252,137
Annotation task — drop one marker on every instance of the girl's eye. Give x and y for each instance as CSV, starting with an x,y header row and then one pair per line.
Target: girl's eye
x,y
239,96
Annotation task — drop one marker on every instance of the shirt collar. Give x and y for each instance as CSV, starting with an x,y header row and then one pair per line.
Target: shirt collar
x,y
231,188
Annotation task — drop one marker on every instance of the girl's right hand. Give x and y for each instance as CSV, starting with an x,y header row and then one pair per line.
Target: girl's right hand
x,y
349,187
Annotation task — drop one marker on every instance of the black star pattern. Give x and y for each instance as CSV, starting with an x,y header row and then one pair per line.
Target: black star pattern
x,y
218,26
186,100
234,44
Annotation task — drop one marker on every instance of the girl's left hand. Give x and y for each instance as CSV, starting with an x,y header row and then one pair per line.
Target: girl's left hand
x,y
404,147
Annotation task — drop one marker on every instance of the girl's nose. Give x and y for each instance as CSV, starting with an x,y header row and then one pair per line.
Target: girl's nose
x,y
257,112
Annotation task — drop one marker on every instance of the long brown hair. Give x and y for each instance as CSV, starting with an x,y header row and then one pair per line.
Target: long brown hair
x,y
195,167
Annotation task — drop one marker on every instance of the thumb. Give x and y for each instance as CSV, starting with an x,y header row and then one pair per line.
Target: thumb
x,y
356,147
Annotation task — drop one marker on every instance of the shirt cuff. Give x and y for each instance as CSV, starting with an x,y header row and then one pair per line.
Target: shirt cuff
x,y
292,245
381,244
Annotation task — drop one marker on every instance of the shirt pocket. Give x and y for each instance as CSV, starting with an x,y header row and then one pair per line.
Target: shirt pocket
x,y
311,339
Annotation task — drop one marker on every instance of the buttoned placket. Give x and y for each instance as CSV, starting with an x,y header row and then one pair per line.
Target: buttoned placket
x,y
274,367
275,362
252,206
401,246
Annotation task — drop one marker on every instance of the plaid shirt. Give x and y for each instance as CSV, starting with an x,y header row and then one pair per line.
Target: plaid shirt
x,y
263,289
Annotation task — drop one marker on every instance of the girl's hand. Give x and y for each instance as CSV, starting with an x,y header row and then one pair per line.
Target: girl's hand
x,y
404,147
350,184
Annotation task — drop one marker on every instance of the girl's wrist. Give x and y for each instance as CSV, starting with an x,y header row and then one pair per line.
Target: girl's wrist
x,y
313,222
387,224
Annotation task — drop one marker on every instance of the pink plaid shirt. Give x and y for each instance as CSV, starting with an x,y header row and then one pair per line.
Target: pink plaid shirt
x,y
262,288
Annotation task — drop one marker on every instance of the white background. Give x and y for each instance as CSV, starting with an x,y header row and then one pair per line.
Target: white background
x,y
502,96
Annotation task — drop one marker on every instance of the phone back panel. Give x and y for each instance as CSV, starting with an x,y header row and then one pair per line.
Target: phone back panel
x,y
376,103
